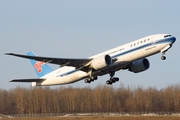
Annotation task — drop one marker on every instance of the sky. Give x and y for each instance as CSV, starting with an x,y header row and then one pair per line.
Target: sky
x,y
83,28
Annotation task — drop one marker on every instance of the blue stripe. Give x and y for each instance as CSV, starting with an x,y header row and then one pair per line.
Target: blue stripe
x,y
161,41
67,73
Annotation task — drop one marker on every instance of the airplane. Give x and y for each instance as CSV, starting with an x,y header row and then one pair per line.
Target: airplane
x,y
131,56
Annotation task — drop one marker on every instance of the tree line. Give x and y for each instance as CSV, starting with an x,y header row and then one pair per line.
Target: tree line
x,y
89,100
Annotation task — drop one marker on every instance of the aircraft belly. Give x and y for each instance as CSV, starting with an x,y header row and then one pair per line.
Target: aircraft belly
x,y
115,67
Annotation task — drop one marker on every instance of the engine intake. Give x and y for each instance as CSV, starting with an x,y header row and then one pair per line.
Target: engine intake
x,y
139,65
101,62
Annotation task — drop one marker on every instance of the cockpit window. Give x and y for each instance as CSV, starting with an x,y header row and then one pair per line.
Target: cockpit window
x,y
167,36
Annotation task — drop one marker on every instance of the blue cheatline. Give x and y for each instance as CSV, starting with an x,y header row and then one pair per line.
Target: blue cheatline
x,y
40,68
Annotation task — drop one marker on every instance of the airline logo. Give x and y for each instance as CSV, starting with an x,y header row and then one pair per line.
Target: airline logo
x,y
38,65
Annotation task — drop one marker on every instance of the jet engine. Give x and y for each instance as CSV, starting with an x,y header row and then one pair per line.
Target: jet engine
x,y
139,65
101,62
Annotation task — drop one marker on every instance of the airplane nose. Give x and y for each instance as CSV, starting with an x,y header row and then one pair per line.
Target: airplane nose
x,y
173,39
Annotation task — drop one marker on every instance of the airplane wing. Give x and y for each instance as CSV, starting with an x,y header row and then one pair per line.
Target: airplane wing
x,y
28,80
79,64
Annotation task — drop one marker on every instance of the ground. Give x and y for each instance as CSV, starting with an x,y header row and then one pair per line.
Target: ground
x,y
99,118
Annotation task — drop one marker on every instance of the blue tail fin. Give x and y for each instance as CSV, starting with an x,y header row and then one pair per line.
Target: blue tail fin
x,y
40,68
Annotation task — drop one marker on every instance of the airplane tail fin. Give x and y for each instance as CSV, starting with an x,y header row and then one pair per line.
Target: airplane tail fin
x,y
40,67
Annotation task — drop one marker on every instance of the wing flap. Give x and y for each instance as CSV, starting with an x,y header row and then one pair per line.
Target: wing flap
x,y
28,80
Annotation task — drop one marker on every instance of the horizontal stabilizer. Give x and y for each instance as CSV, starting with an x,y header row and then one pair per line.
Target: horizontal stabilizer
x,y
28,80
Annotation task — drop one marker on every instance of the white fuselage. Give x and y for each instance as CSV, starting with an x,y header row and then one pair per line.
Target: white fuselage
x,y
124,54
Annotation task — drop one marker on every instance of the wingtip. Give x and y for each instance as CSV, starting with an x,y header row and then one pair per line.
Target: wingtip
x,y
8,53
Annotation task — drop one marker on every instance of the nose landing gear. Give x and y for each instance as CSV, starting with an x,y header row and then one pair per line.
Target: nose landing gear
x,y
164,50
163,57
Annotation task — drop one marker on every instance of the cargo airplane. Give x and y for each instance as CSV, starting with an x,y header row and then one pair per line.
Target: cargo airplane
x,y
131,56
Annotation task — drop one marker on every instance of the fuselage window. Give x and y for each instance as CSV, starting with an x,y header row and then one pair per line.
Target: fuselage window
x,y
134,44
144,40
141,41
138,43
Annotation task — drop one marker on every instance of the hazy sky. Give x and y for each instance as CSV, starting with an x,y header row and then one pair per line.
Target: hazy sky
x,y
83,28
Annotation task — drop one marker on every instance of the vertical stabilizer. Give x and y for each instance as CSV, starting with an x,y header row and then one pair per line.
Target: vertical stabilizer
x,y
40,68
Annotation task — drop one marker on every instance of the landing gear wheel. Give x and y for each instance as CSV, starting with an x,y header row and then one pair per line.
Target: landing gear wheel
x,y
114,80
108,82
90,79
117,79
86,80
163,58
111,80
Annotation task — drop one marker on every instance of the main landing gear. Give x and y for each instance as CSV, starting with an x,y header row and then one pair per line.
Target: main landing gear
x,y
112,79
163,57
90,79
109,82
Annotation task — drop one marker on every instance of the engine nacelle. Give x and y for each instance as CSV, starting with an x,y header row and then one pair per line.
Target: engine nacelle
x,y
101,62
139,65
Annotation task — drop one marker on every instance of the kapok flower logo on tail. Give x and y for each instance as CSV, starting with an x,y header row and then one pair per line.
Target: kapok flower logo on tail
x,y
38,66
